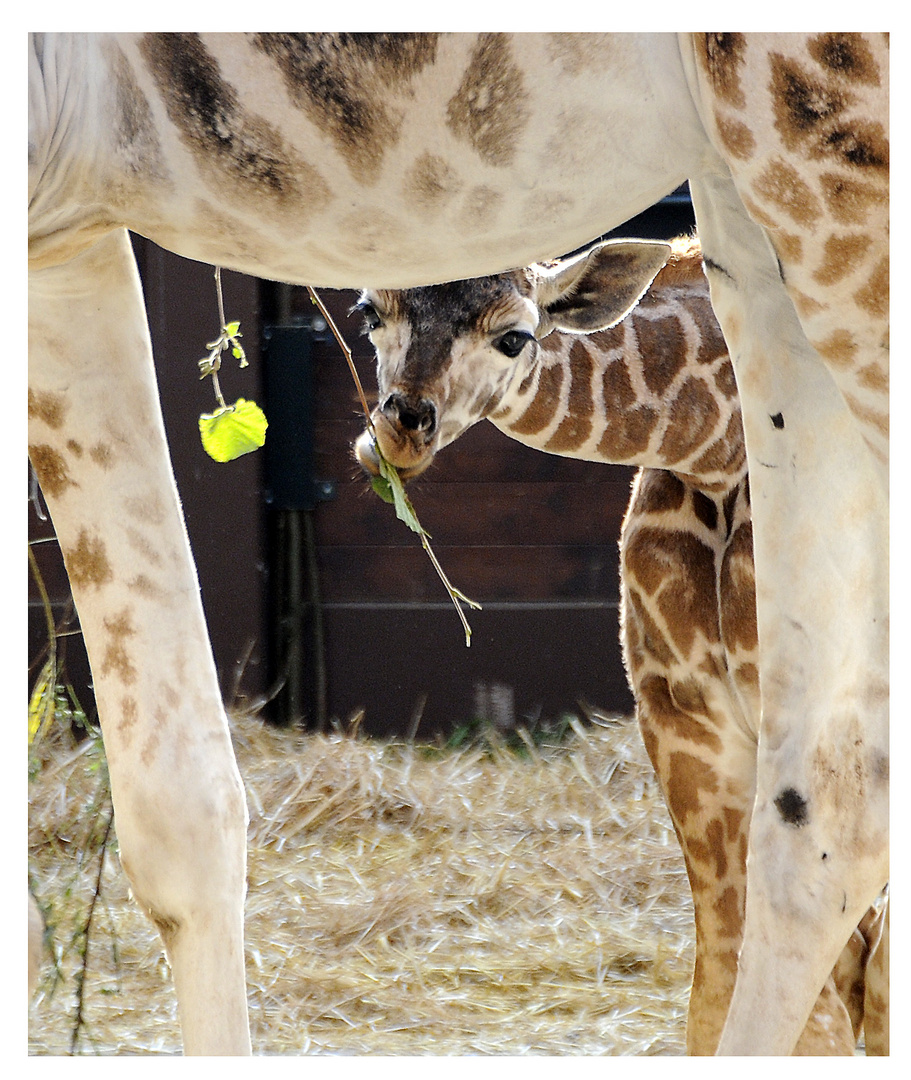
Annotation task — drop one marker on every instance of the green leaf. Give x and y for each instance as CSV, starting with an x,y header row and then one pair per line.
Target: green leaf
x,y
404,511
231,329
382,487
230,432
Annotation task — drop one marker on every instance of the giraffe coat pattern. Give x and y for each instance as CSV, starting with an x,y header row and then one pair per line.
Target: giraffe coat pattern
x,y
403,160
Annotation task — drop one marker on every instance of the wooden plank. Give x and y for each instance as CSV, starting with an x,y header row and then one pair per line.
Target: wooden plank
x,y
542,662
472,514
486,574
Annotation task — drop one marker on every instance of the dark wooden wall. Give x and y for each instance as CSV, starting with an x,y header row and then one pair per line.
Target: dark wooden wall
x,y
531,536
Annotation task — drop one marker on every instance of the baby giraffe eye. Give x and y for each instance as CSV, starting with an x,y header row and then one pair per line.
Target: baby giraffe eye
x,y
372,319
512,343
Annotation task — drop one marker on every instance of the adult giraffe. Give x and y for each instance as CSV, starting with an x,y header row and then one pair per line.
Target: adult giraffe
x,y
405,159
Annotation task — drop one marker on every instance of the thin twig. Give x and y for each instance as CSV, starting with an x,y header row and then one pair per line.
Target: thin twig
x,y
221,301
330,322
82,974
216,385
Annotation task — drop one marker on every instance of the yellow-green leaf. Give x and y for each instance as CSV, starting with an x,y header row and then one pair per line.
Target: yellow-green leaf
x,y
233,431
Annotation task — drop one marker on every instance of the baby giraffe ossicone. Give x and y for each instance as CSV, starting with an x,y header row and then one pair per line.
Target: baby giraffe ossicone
x,y
578,359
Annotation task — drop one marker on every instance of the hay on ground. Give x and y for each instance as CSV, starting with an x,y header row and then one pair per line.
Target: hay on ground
x,y
401,901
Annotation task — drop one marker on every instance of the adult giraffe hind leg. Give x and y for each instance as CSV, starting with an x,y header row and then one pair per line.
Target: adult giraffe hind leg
x,y
819,831
97,442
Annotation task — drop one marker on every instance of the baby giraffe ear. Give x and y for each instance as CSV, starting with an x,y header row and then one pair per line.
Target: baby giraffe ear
x,y
599,288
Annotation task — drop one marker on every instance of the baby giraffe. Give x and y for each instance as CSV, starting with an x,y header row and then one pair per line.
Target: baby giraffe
x,y
563,358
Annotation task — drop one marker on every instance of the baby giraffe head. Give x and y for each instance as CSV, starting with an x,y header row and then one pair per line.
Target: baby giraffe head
x,y
446,354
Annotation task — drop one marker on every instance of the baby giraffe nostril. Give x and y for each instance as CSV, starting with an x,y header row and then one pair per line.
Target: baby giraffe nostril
x,y
418,415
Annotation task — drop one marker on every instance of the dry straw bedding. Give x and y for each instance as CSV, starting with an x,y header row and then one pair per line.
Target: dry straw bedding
x,y
401,901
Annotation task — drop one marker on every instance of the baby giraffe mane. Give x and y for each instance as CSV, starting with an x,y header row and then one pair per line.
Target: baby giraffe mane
x,y
684,267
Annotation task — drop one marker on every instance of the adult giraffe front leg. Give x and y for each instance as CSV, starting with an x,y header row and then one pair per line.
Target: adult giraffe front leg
x,y
97,442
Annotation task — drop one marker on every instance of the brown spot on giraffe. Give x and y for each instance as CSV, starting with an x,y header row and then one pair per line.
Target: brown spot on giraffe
x,y
736,137
150,747
616,384
697,403
51,469
49,408
813,116
345,84
687,779
724,456
431,183
715,851
874,377
726,382
116,660
576,426
738,592
839,348
136,138
722,57
733,823
847,56
874,296
849,200
143,546
747,675
628,434
688,597
782,185
233,147
663,342
144,586
728,907
788,246
649,638
659,491
705,509
805,105
129,714
87,563
688,695
102,455
659,711
480,207
577,52
806,306
840,255
712,346
544,405
489,110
